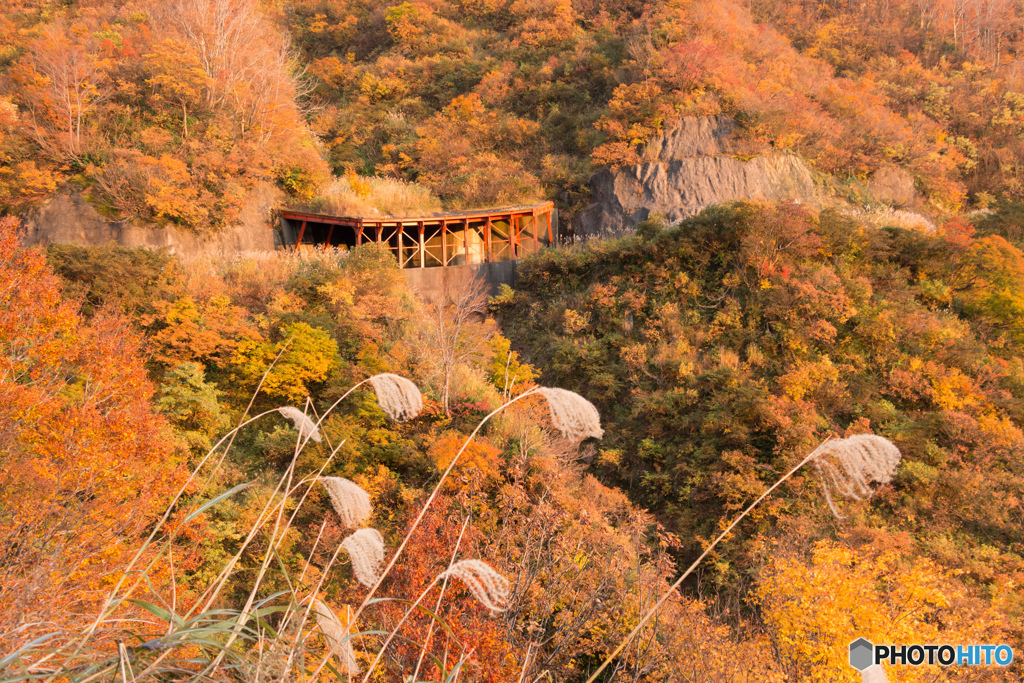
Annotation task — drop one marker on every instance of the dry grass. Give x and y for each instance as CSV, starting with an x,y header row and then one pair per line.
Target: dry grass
x,y
350,501
488,586
574,416
355,195
397,396
336,634
365,549
849,466
889,217
305,426
865,458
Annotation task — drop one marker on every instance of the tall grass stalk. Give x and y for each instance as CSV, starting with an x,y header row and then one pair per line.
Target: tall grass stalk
x,y
269,508
274,537
564,423
336,635
103,611
399,398
319,586
426,506
437,605
825,448
440,577
215,631
74,650
374,381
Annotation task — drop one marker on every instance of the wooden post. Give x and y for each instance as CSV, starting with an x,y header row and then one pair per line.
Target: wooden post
x,y
380,229
551,237
359,234
330,234
444,242
487,240
302,231
423,247
400,239
513,236
465,238
536,235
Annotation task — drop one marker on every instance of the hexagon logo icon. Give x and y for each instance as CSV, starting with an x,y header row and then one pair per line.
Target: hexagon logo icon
x,y
861,651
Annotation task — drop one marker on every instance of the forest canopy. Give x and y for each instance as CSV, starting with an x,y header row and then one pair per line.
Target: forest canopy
x,y
169,112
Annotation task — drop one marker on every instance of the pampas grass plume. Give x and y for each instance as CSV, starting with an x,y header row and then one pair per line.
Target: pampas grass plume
x,y
350,501
488,586
849,466
574,416
397,396
336,633
302,422
365,549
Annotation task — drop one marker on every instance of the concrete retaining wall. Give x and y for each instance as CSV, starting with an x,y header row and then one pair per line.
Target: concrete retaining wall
x,y
67,217
423,280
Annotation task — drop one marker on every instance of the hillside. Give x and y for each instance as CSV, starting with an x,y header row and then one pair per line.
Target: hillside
x,y
201,345
169,112
722,350
274,466
719,354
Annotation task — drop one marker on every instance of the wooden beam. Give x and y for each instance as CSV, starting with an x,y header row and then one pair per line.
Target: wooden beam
x,y
465,238
316,218
551,237
359,235
302,231
330,234
356,221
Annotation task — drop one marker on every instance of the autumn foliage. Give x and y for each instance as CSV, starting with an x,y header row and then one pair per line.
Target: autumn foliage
x,y
164,112
170,112
86,461
719,352
719,358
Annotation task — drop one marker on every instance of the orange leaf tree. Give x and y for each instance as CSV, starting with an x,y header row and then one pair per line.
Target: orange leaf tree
x,y
84,460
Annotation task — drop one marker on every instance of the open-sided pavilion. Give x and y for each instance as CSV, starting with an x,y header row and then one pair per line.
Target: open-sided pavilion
x,y
443,239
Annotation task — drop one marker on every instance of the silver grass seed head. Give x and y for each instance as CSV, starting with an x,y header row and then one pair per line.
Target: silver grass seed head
x,y
574,416
849,466
350,501
488,586
302,422
397,396
336,633
365,550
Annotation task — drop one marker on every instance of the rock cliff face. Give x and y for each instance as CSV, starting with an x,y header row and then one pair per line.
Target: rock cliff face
x,y
686,170
67,217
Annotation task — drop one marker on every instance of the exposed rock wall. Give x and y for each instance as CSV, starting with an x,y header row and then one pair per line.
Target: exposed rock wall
x,y
686,170
67,217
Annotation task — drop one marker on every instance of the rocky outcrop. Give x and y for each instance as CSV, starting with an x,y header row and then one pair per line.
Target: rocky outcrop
x,y
688,169
693,136
67,217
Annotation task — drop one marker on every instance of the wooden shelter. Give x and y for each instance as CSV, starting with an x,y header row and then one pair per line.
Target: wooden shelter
x,y
446,239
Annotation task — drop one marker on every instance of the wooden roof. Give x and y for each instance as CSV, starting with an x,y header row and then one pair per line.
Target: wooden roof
x,y
448,217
